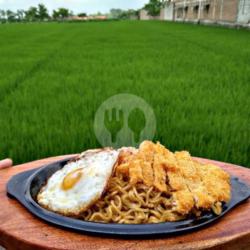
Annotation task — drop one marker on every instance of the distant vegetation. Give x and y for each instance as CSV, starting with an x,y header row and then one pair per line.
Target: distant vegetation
x,y
40,13
54,77
123,14
154,7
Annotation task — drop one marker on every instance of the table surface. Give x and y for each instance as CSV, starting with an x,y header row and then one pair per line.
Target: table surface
x,y
19,229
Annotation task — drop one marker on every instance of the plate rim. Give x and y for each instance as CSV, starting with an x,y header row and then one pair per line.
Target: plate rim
x,y
126,230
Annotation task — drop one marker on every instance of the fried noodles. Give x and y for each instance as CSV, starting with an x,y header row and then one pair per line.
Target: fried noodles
x,y
153,185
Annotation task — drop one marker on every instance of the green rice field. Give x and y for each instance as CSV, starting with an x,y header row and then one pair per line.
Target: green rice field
x,y
54,76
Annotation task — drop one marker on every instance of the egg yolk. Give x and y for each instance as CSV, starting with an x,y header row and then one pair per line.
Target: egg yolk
x,y
71,179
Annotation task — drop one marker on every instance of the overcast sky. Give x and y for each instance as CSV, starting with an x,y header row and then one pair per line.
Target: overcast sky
x,y
89,6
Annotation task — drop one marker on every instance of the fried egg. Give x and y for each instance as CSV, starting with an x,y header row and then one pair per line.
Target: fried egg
x,y
80,183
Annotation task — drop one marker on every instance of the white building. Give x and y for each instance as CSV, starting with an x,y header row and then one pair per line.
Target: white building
x,y
244,11
232,12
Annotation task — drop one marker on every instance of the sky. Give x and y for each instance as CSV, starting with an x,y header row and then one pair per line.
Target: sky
x,y
88,6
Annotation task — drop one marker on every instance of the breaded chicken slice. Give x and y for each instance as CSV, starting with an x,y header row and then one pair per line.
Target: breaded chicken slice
x,y
189,183
216,181
160,175
146,154
183,201
135,172
125,156
147,173
191,173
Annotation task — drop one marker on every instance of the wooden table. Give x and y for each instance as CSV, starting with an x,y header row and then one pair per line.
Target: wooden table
x,y
19,229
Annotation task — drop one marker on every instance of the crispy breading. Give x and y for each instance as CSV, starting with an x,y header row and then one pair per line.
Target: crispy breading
x,y
135,172
183,201
147,146
189,183
148,174
182,197
146,151
159,173
217,182
192,176
125,157
123,168
126,154
160,149
152,154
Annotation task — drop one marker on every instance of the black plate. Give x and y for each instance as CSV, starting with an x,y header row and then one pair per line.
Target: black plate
x,y
25,186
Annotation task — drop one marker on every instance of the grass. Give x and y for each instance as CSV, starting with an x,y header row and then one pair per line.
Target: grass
x,y
53,78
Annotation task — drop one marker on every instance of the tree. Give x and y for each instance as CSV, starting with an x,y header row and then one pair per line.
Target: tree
x,y
2,15
31,14
55,15
61,13
42,12
20,15
82,14
124,14
154,7
129,14
115,13
11,16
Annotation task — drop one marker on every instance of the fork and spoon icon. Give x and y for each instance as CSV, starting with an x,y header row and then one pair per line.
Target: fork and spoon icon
x,y
114,121
124,120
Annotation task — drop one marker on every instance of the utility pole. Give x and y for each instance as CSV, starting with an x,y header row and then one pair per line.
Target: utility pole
x,y
215,4
221,9
243,7
199,12
184,6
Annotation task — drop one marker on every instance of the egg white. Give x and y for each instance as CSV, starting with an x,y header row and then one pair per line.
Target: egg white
x,y
97,167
